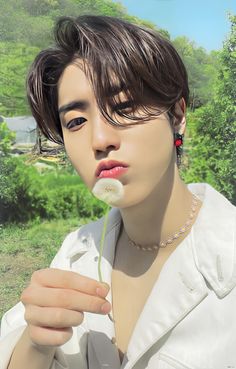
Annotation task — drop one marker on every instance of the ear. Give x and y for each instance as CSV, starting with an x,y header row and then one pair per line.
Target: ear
x,y
179,120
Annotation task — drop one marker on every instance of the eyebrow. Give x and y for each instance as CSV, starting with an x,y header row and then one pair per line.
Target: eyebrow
x,y
73,105
83,104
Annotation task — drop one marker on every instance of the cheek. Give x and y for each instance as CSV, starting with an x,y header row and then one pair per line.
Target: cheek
x,y
71,147
150,162
79,157
73,157
74,150
156,146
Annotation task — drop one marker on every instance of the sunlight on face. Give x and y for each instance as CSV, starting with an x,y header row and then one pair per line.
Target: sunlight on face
x,y
147,149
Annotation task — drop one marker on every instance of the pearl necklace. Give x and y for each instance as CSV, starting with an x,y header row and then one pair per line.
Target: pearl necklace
x,y
176,235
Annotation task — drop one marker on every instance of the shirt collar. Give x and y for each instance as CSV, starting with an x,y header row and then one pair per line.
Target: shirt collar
x,y
213,235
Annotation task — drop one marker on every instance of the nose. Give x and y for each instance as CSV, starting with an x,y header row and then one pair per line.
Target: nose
x,y
104,136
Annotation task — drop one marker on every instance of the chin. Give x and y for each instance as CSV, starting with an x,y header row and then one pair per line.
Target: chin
x,y
132,197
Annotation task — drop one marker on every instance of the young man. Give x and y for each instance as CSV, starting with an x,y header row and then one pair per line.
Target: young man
x,y
115,95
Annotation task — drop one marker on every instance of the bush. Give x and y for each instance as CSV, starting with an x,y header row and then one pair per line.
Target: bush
x,y
88,206
16,195
7,139
59,202
27,195
211,154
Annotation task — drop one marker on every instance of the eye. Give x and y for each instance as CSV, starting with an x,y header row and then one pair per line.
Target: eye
x,y
75,122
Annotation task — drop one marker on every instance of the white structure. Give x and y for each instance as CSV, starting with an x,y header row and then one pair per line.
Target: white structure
x,y
24,127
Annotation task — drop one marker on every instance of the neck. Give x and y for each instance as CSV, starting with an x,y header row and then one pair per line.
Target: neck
x,y
161,214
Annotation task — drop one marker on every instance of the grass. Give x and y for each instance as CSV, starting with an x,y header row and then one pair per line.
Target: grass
x,y
60,180
26,248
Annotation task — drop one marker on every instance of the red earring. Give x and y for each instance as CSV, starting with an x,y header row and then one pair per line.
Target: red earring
x,y
178,142
178,139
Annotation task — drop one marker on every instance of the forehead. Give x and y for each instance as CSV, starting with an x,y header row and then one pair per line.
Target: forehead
x,y
74,83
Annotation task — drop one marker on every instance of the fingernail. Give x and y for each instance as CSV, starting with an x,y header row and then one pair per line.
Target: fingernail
x,y
103,290
106,308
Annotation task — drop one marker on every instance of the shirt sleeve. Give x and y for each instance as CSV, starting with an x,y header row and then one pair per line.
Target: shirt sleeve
x,y
71,355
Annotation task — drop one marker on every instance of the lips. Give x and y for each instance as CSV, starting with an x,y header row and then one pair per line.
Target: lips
x,y
110,168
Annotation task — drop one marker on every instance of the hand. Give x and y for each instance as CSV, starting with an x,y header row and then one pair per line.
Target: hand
x,y
55,301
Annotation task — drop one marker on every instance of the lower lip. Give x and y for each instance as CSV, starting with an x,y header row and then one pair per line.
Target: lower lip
x,y
113,173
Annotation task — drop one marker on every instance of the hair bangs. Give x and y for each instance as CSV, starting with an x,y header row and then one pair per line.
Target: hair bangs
x,y
135,73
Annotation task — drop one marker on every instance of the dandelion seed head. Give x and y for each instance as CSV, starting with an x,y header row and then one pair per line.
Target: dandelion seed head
x,y
109,190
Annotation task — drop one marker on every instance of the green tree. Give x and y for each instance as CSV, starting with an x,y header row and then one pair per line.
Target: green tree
x,y
213,145
7,138
202,70
17,18
15,60
39,7
29,22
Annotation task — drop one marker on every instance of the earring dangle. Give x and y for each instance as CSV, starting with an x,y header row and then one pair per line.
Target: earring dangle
x,y
178,142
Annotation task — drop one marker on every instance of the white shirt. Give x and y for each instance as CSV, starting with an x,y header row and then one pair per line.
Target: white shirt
x,y
189,319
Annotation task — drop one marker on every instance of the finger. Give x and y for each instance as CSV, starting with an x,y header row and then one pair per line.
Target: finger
x,y
52,317
58,278
66,299
45,336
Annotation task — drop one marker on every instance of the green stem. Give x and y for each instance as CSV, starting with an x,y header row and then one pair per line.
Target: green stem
x,y
102,243
101,251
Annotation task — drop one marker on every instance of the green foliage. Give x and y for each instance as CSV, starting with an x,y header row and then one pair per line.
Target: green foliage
x,y
38,16
15,61
35,236
25,248
213,146
202,70
15,196
26,28
27,195
24,23
7,138
17,18
20,23
65,164
37,8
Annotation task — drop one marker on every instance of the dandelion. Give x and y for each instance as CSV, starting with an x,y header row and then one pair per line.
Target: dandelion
x,y
110,191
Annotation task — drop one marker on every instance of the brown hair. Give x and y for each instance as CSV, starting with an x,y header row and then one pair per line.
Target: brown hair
x,y
115,54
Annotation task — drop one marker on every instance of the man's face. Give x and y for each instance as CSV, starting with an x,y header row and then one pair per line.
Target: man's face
x,y
147,149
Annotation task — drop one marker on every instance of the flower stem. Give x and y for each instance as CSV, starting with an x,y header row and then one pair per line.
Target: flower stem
x,y
101,251
102,243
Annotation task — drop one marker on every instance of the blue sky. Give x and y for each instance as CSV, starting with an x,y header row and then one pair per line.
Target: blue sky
x,y
202,21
